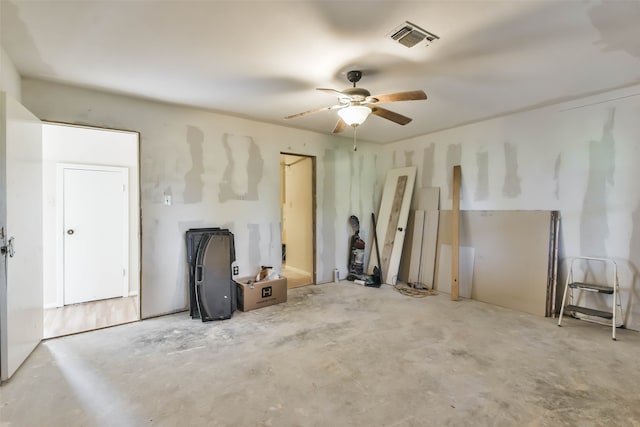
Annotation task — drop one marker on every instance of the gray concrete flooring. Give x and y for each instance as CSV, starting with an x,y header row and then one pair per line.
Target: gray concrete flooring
x,y
335,355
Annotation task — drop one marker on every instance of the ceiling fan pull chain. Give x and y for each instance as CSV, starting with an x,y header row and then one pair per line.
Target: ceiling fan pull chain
x,y
355,141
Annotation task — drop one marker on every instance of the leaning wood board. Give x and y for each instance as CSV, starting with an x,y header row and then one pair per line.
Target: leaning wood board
x,y
394,217
511,262
455,236
415,256
392,220
422,259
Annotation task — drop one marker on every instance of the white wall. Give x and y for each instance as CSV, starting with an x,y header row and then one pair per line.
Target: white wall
x,y
220,171
9,76
88,146
578,157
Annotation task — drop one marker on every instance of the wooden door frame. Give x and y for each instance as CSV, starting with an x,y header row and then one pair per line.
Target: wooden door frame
x,y
313,209
138,194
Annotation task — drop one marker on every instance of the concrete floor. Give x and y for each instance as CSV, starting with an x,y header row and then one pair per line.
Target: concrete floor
x,y
335,355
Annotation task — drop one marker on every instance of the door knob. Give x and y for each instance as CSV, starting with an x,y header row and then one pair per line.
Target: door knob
x,y
8,248
70,231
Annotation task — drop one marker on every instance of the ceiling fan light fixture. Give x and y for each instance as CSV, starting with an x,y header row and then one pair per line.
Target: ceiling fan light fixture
x,y
354,115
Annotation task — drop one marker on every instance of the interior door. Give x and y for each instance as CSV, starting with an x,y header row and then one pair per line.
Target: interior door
x,y
21,234
391,222
95,232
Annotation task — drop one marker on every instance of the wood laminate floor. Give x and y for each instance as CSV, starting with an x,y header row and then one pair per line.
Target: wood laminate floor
x,y
295,278
88,316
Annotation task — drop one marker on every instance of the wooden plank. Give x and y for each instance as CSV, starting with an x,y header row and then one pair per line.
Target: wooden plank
x,y
429,244
553,265
425,199
455,235
416,247
390,236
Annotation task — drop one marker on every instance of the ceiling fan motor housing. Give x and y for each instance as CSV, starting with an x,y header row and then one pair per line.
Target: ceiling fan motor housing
x,y
354,76
356,93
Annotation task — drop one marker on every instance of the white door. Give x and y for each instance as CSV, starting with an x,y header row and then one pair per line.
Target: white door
x,y
95,232
391,222
20,234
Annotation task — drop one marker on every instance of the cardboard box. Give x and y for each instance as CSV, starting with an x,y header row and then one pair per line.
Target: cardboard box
x,y
253,295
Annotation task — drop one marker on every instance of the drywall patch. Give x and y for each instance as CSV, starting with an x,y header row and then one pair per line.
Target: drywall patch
x,y
275,244
511,186
556,175
193,179
240,183
623,36
254,246
377,194
454,155
408,158
328,234
594,228
167,192
428,162
482,188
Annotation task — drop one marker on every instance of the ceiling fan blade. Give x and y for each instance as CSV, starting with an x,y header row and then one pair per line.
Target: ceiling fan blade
x,y
340,126
304,113
390,115
412,95
336,92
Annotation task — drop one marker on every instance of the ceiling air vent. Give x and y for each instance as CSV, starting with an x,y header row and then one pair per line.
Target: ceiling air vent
x,y
409,35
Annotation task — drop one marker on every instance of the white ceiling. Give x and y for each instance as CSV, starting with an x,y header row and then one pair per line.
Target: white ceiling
x,y
263,59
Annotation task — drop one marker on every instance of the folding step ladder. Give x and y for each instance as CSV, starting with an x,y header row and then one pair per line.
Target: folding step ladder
x,y
609,289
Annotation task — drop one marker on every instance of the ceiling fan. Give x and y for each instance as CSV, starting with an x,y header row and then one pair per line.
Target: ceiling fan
x,y
356,103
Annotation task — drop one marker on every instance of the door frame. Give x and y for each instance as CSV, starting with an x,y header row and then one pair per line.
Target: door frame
x,y
313,210
60,168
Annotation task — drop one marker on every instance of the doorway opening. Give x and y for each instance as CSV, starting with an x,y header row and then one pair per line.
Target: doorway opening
x,y
298,216
91,228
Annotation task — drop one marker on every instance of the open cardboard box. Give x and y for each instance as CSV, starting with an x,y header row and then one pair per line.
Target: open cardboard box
x,y
253,295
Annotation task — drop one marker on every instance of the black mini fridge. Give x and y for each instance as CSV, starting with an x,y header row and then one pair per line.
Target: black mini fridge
x,y
212,291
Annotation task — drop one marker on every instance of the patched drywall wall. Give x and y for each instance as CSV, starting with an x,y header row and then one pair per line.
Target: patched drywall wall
x,y
578,157
219,171
9,76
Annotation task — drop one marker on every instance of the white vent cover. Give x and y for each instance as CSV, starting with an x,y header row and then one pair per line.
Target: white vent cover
x,y
409,35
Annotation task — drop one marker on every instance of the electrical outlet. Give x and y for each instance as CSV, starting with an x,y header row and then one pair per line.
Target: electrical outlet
x,y
236,270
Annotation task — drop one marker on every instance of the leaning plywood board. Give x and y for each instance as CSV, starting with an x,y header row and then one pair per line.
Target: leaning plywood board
x,y
416,247
429,243
392,221
407,258
425,199
455,235
552,286
511,256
